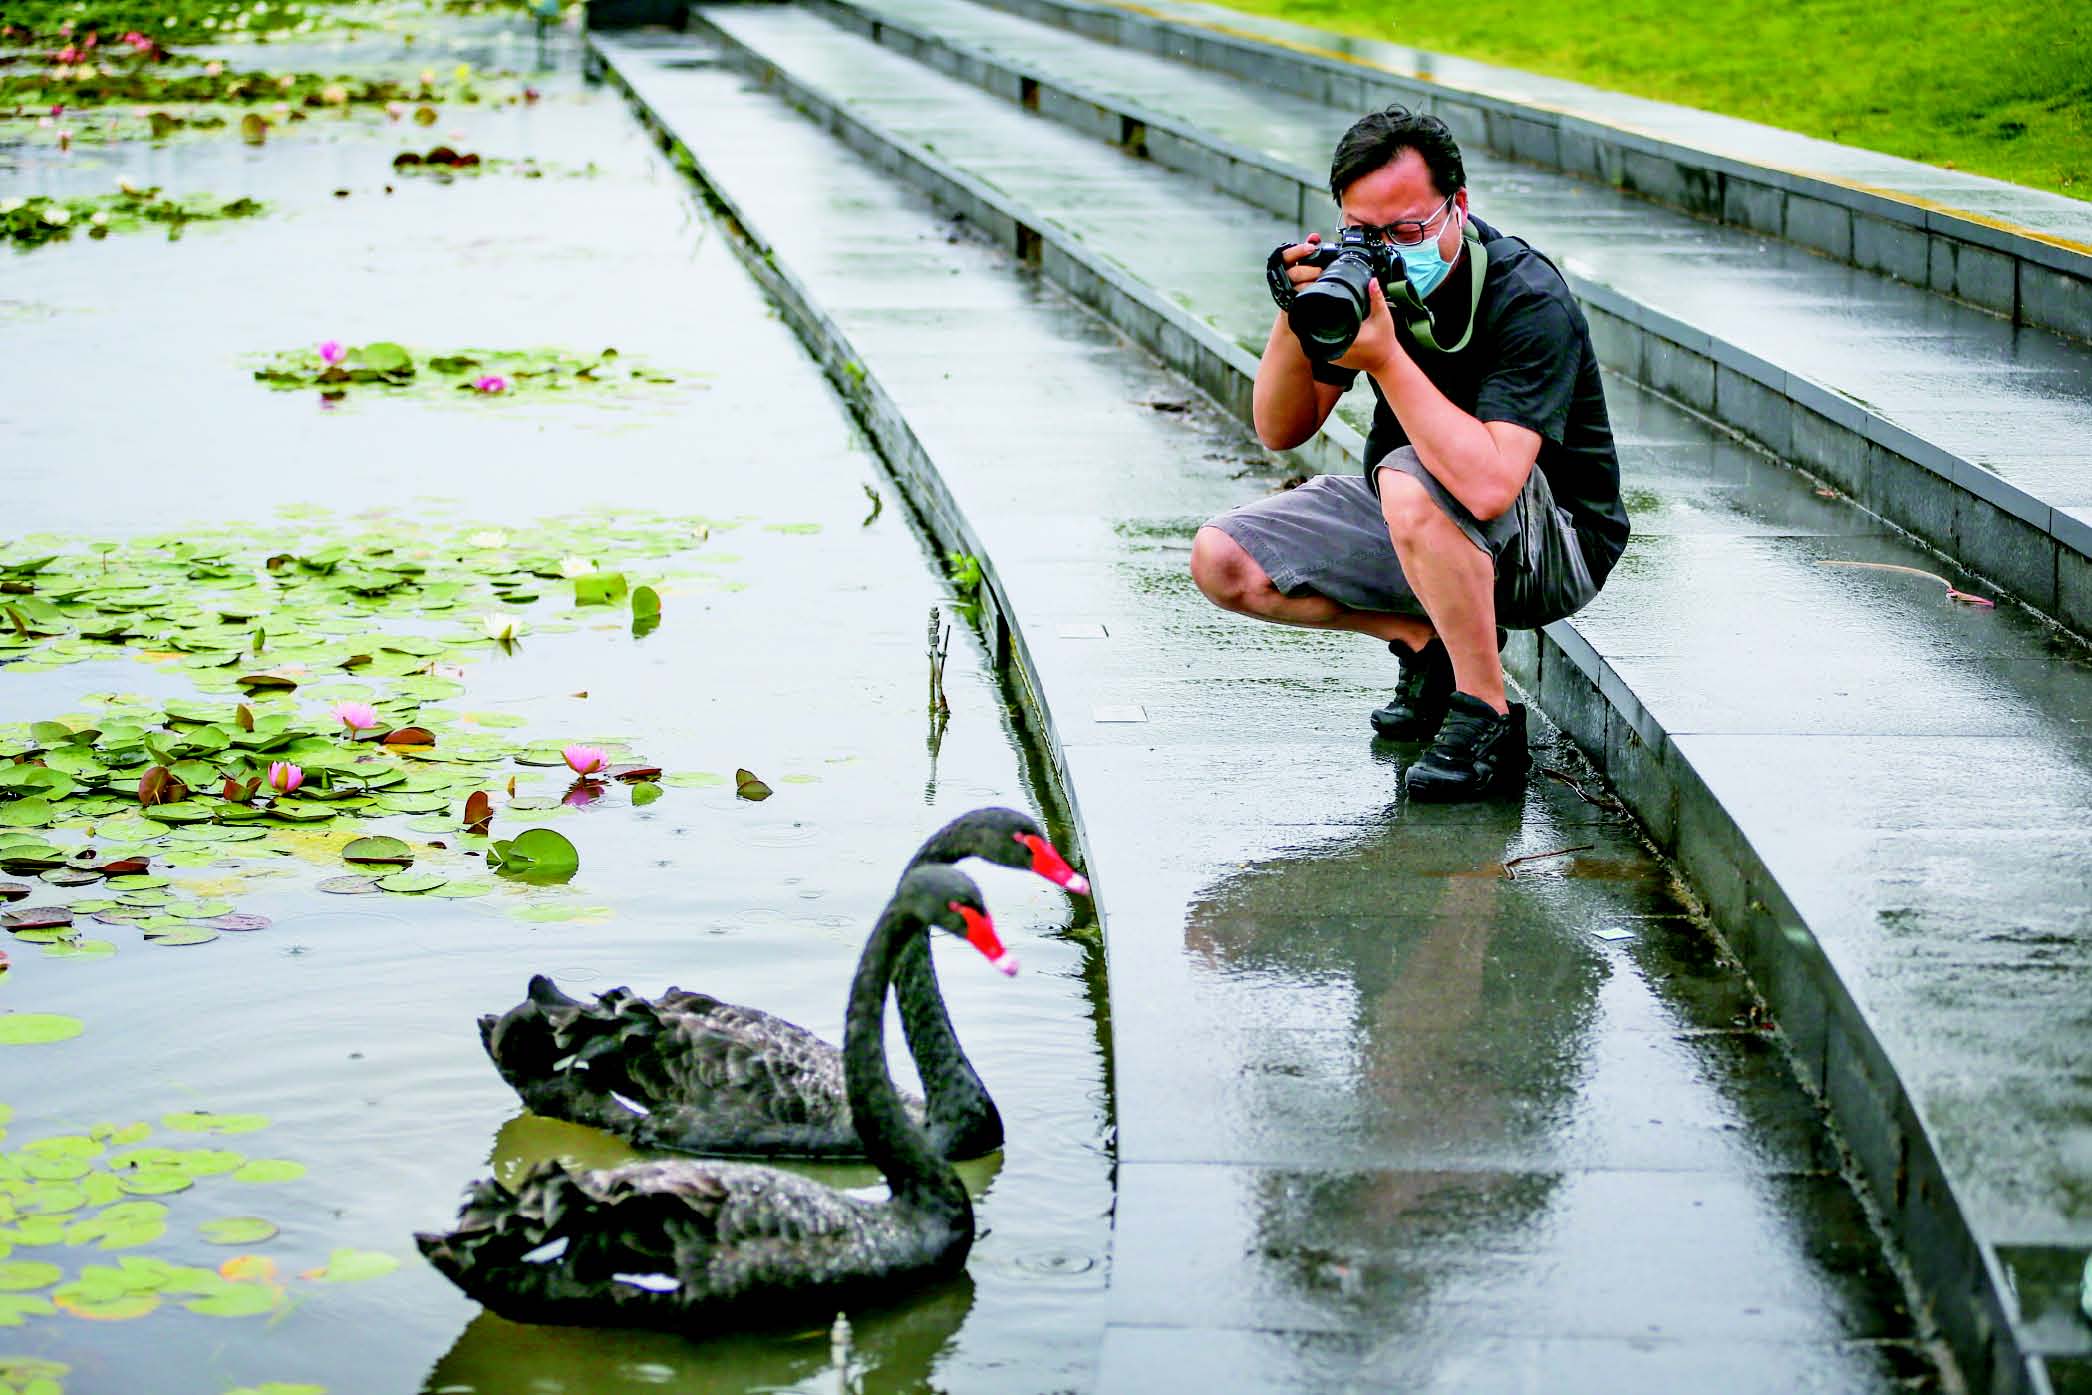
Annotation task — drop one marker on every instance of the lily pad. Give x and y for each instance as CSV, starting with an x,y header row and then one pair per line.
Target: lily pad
x,y
237,1230
182,937
353,1266
204,1121
270,1170
747,786
27,1275
378,849
411,883
38,1028
121,1226
540,853
349,886
236,1300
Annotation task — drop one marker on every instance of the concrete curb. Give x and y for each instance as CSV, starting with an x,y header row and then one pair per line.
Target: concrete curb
x,y
2036,553
1834,1047
2010,271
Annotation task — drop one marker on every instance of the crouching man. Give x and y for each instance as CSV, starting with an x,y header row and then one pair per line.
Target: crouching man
x,y
1491,493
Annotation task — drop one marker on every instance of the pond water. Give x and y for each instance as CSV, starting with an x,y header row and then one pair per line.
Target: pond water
x,y
791,644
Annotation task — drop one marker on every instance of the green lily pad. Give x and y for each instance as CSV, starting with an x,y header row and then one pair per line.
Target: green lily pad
x,y
237,1230
203,1121
38,1028
462,890
537,853
354,1266
348,886
235,1301
14,1308
181,811
378,849
154,1181
270,1170
411,883
27,1275
121,1226
181,935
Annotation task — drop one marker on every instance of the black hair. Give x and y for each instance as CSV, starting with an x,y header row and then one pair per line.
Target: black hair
x,y
1376,138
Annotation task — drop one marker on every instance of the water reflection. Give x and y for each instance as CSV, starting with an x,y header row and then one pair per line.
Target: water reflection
x,y
526,1140
1425,1017
889,1350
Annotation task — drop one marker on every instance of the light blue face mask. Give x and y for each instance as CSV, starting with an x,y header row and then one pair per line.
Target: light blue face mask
x,y
1424,265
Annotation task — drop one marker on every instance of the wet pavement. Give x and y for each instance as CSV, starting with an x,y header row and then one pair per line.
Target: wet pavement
x,y
1462,1099
791,642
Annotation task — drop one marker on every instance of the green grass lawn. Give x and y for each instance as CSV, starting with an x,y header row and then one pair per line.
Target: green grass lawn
x,y
2001,88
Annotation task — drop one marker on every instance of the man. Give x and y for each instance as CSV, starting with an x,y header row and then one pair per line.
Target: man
x,y
1491,493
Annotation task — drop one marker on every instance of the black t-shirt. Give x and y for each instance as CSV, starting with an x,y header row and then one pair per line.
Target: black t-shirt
x,y
1529,362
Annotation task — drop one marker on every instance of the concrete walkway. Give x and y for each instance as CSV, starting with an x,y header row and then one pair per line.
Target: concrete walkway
x,y
1390,1114
1728,677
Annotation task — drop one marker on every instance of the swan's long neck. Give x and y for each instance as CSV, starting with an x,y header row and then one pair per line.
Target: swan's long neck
x,y
953,1095
894,1145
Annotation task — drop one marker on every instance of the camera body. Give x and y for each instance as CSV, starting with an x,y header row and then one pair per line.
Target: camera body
x,y
1327,312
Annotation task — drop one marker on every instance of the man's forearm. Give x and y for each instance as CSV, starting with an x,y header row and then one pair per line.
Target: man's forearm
x,y
1283,402
1454,446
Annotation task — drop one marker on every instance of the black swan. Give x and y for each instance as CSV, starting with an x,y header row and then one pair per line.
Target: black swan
x,y
702,1247
687,1073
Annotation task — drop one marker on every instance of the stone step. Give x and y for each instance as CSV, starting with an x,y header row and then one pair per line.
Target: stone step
x,y
2022,253
1886,392
1738,668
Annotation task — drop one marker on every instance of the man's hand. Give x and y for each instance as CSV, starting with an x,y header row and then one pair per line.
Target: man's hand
x,y
1291,257
1376,347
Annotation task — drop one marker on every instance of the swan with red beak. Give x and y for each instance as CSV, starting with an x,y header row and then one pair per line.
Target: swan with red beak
x,y
690,1073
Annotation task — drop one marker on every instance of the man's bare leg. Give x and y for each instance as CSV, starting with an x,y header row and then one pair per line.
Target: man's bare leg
x,y
1232,580
1455,580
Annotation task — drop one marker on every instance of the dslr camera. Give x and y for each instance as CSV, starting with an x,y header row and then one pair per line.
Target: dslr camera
x,y
1327,312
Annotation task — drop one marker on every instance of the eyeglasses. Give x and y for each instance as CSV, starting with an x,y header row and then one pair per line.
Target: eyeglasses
x,y
1408,232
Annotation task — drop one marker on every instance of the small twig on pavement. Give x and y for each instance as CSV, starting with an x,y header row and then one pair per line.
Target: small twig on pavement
x,y
1509,863
1603,801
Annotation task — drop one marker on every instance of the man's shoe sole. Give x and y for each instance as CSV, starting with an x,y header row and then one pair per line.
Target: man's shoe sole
x,y
1460,792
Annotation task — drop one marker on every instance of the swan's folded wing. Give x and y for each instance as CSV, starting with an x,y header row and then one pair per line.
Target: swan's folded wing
x,y
727,1227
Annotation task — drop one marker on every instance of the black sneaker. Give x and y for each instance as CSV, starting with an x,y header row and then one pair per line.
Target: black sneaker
x,y
1477,754
1418,708
1421,693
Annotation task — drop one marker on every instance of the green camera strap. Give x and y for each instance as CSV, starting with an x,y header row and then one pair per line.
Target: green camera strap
x,y
1418,318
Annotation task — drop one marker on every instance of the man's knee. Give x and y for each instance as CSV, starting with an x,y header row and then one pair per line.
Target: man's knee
x,y
1229,576
1412,514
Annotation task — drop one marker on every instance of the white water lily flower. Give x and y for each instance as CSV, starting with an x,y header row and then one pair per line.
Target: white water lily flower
x,y
502,627
576,566
100,218
57,217
10,205
700,532
124,183
488,539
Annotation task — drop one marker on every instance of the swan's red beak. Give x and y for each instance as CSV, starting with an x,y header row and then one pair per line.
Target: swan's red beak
x,y
980,933
1048,863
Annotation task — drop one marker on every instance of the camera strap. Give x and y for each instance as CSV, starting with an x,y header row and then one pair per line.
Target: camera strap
x,y
1417,318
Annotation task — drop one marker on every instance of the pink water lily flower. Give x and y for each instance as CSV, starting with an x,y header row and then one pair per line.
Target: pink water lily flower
x,y
332,353
284,778
493,382
584,760
356,716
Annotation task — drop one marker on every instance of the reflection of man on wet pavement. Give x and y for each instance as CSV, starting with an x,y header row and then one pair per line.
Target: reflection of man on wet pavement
x,y
1483,371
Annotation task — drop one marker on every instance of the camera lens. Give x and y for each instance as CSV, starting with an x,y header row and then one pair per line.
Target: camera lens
x,y
1328,311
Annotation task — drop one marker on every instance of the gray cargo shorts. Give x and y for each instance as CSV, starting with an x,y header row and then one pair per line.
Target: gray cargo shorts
x,y
1329,537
